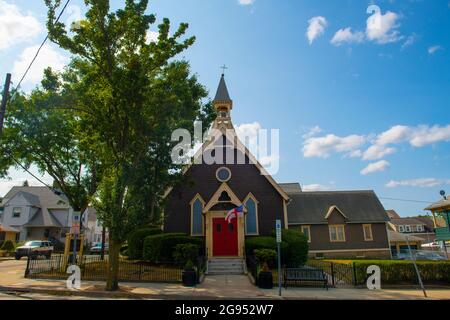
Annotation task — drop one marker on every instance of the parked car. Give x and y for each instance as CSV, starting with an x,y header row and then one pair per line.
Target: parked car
x,y
97,248
434,256
34,249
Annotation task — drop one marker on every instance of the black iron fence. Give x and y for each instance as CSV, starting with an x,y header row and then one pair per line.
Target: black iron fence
x,y
94,268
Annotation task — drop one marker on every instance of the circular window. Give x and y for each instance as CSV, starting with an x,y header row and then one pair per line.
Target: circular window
x,y
223,174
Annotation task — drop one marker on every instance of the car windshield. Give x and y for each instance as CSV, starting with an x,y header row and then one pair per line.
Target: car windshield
x,y
33,244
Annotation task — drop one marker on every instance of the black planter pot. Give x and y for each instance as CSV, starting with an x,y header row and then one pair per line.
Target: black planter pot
x,y
189,278
265,280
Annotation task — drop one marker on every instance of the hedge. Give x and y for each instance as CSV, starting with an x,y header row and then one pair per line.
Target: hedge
x,y
402,272
160,248
294,247
136,241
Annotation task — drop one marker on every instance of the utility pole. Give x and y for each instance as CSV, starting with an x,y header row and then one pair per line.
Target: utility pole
x,y
4,101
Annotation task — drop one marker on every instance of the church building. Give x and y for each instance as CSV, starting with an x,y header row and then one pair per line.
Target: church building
x,y
199,205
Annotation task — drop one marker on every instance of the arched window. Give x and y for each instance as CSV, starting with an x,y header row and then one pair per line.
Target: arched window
x,y
197,216
251,218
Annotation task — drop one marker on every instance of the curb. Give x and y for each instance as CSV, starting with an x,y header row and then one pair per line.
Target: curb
x,y
116,295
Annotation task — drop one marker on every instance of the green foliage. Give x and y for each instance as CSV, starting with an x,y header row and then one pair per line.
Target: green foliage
x,y
160,248
401,272
294,247
8,246
136,241
185,254
267,256
297,248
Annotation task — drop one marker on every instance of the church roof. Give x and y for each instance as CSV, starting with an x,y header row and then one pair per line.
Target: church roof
x,y
358,207
291,187
222,91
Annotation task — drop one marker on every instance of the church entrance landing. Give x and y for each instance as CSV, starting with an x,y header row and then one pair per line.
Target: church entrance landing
x,y
225,238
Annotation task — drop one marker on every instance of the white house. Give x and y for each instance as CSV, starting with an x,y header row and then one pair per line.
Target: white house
x,y
92,227
37,212
40,214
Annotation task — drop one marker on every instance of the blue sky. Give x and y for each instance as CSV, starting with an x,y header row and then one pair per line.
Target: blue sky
x,y
361,100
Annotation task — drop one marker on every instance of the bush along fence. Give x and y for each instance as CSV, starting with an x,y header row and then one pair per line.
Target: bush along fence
x,y
93,268
346,274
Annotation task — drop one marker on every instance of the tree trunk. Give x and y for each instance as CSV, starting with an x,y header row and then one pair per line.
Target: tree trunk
x,y
112,281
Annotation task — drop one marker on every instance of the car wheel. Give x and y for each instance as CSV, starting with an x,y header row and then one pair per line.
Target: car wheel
x,y
48,256
18,257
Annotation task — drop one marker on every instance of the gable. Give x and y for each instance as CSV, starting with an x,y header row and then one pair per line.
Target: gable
x,y
226,147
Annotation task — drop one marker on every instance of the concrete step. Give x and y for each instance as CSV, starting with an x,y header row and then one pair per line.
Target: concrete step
x,y
226,266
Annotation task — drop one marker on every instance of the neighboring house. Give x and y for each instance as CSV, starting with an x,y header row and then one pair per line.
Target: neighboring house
x,y
421,227
399,242
37,213
441,219
341,223
92,227
8,233
337,223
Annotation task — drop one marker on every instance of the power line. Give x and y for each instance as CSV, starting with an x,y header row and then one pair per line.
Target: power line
x,y
407,200
38,51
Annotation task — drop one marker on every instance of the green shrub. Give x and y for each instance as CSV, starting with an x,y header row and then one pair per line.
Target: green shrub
x,y
160,248
266,257
185,253
297,250
401,272
136,241
8,246
255,243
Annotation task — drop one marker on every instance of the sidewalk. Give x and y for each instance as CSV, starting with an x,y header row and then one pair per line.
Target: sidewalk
x,y
213,287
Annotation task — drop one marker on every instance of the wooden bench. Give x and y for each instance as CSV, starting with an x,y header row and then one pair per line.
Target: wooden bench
x,y
306,274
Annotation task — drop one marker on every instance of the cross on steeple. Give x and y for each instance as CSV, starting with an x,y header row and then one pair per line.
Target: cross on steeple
x,y
224,67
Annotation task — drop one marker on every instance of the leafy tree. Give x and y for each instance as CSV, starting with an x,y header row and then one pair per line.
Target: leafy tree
x,y
130,95
42,129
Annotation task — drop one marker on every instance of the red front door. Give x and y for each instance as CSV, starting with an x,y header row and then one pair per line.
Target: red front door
x,y
225,238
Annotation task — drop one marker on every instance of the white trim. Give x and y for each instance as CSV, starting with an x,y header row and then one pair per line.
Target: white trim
x,y
251,196
336,226
366,238
331,210
215,198
309,231
349,250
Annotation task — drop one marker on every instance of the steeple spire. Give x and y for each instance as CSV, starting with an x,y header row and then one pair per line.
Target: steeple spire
x,y
222,102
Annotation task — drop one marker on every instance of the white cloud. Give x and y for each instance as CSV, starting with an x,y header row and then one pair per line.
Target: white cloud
x,y
315,187
382,28
323,146
347,36
16,27
48,57
419,136
312,132
409,41
316,28
246,2
375,167
434,49
376,152
422,182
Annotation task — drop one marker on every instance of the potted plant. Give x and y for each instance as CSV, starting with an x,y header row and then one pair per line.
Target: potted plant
x,y
266,257
185,254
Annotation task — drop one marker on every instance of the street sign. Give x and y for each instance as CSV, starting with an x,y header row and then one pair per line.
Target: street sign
x,y
278,229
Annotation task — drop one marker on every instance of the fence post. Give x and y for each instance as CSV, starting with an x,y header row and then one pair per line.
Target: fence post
x,y
332,274
27,270
355,282
140,270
